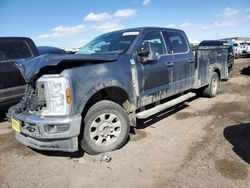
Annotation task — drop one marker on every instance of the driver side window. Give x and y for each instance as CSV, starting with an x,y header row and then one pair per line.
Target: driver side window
x,y
155,40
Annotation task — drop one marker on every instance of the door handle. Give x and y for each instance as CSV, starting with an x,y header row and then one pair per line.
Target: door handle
x,y
191,61
169,64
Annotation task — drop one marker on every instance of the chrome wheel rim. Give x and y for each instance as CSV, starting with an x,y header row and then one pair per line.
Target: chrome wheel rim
x,y
105,129
214,86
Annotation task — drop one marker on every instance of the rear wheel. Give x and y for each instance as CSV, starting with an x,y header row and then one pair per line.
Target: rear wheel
x,y
212,89
106,127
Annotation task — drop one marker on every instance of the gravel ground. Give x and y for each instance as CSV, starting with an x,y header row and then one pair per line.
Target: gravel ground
x,y
204,143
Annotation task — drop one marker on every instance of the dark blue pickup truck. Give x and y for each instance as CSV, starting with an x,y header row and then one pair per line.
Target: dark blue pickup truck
x,y
90,99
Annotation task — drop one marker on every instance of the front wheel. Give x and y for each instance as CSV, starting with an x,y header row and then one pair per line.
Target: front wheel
x,y
212,89
106,128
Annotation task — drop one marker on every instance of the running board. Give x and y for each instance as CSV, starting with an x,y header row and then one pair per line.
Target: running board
x,y
146,113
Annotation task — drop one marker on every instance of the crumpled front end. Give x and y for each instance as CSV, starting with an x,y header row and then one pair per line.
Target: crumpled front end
x,y
56,133
44,118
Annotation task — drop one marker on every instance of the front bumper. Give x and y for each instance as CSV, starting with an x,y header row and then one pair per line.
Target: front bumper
x,y
35,135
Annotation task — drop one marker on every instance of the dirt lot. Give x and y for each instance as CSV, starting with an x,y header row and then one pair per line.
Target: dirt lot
x,y
204,143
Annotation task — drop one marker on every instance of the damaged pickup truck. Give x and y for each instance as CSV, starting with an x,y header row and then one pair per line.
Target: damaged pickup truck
x,y
90,99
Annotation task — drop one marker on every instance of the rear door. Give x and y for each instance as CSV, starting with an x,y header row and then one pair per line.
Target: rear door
x,y
183,59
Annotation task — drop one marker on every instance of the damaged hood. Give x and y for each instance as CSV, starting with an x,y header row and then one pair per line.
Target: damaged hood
x,y
30,68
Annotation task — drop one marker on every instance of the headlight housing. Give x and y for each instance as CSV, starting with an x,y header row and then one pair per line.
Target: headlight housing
x,y
55,90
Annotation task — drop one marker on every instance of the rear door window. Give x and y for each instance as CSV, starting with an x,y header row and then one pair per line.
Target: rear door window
x,y
14,49
177,42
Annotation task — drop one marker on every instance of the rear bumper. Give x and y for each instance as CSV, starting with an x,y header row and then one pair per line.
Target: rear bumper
x,y
36,134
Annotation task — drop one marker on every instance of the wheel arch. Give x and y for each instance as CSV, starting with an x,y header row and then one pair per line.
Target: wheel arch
x,y
217,70
116,94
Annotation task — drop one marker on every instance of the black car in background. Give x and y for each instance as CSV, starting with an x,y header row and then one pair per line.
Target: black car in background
x,y
230,56
12,84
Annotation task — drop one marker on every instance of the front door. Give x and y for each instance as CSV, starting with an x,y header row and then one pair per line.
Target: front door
x,y
155,78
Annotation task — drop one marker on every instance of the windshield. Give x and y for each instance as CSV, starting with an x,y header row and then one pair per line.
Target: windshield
x,y
110,43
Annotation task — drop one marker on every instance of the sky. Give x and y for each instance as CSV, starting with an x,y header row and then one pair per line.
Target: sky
x,y
72,23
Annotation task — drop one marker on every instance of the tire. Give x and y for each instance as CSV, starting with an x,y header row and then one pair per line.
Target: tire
x,y
106,128
212,89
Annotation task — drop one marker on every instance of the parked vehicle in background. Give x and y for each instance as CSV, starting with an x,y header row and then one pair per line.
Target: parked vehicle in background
x,y
91,98
230,52
237,50
50,50
12,84
245,48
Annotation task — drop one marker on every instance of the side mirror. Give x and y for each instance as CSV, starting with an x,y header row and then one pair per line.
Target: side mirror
x,y
145,54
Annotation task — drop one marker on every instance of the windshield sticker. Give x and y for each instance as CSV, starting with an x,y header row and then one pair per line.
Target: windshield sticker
x,y
130,33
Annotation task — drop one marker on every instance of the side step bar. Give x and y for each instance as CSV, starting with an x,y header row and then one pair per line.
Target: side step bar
x,y
146,113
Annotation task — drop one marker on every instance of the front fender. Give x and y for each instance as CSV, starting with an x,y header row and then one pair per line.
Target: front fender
x,y
87,80
99,87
